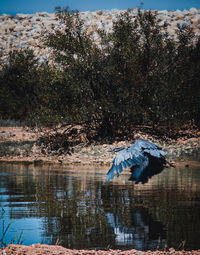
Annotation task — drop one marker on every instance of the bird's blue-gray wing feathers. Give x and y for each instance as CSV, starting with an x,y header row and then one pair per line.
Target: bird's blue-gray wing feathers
x,y
124,158
136,173
149,148
134,156
155,153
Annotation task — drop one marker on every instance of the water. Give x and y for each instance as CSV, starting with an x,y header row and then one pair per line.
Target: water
x,y
70,206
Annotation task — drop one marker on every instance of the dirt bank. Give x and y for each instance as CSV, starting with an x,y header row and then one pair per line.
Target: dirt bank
x,y
19,144
54,249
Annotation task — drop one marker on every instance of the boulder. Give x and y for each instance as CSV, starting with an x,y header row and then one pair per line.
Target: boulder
x,y
196,20
19,28
30,29
193,11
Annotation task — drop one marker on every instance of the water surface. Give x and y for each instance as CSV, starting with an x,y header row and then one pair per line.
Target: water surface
x,y
70,206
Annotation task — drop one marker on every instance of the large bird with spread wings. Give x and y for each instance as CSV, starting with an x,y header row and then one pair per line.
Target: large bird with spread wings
x,y
143,157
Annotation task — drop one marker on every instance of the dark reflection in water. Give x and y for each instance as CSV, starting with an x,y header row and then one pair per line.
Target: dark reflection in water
x,y
70,206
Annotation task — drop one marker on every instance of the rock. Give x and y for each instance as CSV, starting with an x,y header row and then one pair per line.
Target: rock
x,y
163,12
195,20
17,34
5,17
33,27
4,135
163,23
184,23
4,29
19,28
178,14
12,27
100,12
193,11
44,14
20,16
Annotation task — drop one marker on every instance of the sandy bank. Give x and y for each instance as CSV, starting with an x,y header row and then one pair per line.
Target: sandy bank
x,y
55,249
18,144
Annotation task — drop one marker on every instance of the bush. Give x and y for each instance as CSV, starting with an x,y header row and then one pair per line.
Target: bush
x,y
136,75
19,84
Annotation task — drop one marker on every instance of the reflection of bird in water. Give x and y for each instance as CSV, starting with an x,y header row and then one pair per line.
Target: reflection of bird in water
x,y
142,232
143,157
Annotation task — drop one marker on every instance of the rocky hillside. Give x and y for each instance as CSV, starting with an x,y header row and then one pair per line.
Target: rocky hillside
x,y
28,30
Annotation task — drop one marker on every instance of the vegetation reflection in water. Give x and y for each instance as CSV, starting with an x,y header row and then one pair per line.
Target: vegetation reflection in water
x,y
70,206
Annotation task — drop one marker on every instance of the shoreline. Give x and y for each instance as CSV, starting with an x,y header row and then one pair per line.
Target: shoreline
x,y
19,145
56,249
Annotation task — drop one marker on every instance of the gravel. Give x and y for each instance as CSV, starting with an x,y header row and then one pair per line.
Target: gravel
x,y
55,249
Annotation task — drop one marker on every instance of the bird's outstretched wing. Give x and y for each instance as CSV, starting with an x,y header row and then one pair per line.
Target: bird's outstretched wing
x,y
134,156
124,158
148,147
137,170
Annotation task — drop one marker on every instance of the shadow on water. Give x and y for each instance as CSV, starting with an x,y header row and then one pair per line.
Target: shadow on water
x,y
155,166
70,206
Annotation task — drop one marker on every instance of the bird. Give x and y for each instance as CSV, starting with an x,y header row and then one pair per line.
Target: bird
x,y
143,157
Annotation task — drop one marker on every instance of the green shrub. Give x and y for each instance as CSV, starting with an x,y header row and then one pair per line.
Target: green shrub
x,y
19,84
137,74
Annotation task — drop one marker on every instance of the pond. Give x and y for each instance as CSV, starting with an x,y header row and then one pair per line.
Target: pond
x,y
68,205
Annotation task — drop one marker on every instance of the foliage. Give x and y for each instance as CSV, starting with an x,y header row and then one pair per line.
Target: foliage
x,y
13,148
56,144
5,231
11,123
137,74
19,85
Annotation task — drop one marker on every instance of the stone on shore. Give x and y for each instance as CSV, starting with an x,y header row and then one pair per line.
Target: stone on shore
x,y
28,30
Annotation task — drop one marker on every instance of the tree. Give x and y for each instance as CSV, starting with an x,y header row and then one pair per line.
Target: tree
x,y
19,84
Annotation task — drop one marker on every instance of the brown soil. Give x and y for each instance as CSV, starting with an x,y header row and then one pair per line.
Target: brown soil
x,y
85,152
43,249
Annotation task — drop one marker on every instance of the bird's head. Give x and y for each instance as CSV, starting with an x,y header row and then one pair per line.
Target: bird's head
x,y
116,149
